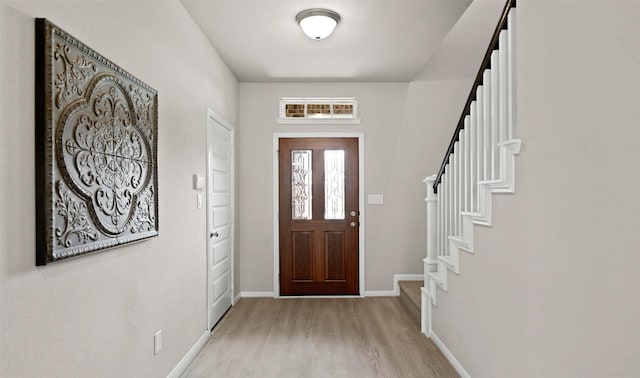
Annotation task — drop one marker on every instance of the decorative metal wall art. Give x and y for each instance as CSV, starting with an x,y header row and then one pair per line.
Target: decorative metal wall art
x,y
96,150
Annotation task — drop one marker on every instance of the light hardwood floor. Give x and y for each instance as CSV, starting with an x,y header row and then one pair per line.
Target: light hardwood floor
x,y
342,337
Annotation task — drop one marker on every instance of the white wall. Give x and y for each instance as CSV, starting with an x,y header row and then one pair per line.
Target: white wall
x,y
381,106
395,154
407,129
552,290
96,315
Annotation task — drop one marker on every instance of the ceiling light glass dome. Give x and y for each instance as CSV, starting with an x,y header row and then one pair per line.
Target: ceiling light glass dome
x,y
318,23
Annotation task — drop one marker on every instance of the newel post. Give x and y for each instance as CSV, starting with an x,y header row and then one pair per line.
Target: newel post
x,y
430,263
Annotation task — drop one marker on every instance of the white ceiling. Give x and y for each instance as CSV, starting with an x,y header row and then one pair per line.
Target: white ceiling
x,y
376,40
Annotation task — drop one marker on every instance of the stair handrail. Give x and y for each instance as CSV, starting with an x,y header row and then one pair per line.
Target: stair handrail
x,y
486,64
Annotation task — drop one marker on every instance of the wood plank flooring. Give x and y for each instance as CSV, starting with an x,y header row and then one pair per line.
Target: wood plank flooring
x,y
310,337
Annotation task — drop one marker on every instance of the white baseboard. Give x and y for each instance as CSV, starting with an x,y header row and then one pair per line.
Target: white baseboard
x,y
408,277
256,294
388,293
237,298
269,294
285,297
378,293
447,353
191,354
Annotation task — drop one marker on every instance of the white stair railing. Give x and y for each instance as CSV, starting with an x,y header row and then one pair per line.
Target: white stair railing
x,y
480,161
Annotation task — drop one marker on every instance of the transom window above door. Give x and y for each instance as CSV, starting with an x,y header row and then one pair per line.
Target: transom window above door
x,y
333,110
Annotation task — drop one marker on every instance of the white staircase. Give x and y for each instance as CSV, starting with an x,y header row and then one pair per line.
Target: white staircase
x,y
480,161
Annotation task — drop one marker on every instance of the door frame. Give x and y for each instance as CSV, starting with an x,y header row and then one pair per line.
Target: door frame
x,y
211,118
276,206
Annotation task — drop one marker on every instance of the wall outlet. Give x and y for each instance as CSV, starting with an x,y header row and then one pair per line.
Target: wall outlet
x,y
157,342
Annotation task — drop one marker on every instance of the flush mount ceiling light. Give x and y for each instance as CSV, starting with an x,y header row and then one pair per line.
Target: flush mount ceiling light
x,y
318,23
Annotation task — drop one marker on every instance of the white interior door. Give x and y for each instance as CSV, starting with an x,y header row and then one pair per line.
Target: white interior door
x,y
219,217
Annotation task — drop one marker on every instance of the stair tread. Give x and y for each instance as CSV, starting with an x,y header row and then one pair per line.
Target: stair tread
x,y
411,289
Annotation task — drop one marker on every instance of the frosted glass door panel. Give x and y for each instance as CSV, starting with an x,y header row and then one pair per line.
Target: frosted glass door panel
x,y
334,184
301,184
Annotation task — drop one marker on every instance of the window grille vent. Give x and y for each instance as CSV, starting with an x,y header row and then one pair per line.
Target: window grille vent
x,y
318,110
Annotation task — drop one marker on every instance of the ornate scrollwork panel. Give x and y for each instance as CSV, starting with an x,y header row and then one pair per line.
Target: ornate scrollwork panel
x,y
97,126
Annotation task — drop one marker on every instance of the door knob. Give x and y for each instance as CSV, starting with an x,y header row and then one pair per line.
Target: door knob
x,y
353,224
214,234
354,213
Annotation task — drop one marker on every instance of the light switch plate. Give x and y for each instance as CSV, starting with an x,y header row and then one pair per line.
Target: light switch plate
x,y
198,182
375,199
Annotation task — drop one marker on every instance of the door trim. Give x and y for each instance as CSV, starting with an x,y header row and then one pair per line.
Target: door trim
x,y
214,117
276,204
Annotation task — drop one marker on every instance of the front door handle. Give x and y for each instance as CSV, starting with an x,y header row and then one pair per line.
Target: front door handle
x,y
214,234
353,224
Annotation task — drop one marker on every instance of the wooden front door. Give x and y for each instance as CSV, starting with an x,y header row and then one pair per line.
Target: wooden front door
x,y
318,216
